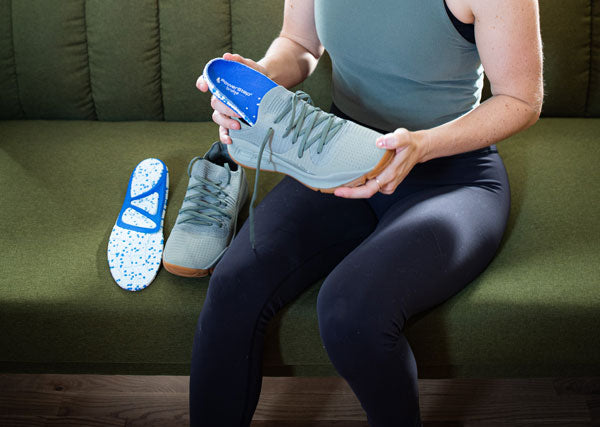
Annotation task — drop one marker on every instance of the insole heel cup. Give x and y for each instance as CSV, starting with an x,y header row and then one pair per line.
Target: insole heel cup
x,y
237,85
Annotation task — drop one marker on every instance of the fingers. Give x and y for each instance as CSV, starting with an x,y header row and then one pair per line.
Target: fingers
x,y
222,115
389,177
400,138
362,192
217,105
201,84
225,121
239,58
224,135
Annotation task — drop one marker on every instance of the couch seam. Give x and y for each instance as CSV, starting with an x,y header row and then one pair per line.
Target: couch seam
x,y
591,60
230,27
87,54
14,52
160,73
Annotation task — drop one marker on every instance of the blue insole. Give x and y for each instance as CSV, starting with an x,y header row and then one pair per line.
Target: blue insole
x,y
238,86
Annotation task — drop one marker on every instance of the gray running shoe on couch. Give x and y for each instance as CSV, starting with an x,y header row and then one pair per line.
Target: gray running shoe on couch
x,y
207,220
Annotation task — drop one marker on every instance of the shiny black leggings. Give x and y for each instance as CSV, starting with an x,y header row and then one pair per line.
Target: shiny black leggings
x,y
385,259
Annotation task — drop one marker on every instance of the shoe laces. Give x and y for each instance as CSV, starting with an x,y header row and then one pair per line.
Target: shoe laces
x,y
304,118
206,198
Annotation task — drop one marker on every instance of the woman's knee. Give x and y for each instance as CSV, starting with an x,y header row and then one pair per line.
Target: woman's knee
x,y
352,332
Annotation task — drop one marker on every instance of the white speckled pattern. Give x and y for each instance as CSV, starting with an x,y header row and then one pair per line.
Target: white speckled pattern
x,y
134,257
149,203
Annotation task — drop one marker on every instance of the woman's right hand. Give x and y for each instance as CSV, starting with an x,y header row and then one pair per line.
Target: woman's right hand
x,y
222,114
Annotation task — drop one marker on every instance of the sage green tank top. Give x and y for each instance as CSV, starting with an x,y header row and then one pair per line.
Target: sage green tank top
x,y
398,63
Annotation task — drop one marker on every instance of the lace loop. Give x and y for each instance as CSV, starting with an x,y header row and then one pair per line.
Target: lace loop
x,y
205,200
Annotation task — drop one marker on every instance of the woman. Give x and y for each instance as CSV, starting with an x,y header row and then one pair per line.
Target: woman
x,y
399,244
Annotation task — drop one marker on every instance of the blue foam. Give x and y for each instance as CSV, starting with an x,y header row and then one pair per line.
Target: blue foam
x,y
238,86
161,189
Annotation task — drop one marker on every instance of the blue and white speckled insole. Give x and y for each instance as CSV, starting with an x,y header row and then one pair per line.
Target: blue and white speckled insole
x,y
136,243
238,86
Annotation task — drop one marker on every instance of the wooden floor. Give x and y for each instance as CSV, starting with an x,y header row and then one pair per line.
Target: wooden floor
x,y
98,400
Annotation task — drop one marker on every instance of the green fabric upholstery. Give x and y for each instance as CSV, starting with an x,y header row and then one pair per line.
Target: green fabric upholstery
x,y
51,59
535,311
565,82
124,60
565,31
139,60
192,32
9,92
593,106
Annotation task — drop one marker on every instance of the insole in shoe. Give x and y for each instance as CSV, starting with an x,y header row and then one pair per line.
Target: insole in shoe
x,y
238,86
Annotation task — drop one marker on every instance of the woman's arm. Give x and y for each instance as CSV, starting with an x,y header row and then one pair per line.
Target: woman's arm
x,y
293,56
290,59
510,48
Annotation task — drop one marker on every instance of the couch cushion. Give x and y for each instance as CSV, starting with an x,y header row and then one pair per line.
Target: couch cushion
x,y
191,32
10,108
535,311
566,56
593,108
124,60
51,59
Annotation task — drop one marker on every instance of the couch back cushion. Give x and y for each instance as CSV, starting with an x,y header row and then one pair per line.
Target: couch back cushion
x,y
139,59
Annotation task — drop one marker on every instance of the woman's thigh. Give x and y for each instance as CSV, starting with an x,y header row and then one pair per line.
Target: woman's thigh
x,y
300,235
426,248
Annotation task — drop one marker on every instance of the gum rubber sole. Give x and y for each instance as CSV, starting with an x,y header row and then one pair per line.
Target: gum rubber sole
x,y
185,271
383,163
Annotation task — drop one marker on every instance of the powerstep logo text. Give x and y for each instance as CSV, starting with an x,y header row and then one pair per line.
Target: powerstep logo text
x,y
235,90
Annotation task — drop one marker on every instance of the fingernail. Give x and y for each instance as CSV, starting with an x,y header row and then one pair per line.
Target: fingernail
x,y
380,143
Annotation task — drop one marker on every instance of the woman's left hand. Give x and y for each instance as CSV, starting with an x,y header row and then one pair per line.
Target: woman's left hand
x,y
410,148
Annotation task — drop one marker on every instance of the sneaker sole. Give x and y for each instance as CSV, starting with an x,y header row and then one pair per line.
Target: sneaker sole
x,y
185,271
380,166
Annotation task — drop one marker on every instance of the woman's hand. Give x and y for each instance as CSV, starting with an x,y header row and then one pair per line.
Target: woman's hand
x,y
223,114
410,148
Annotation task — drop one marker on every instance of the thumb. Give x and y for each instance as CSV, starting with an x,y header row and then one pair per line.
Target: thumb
x,y
399,138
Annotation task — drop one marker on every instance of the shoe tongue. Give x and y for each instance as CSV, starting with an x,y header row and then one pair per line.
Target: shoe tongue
x,y
274,101
208,170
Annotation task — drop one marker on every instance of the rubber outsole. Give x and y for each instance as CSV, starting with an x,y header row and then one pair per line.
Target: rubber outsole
x,y
185,271
383,163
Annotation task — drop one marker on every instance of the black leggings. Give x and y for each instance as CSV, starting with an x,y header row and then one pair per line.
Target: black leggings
x,y
385,259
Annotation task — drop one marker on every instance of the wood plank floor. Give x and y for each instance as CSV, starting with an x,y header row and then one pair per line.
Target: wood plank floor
x,y
131,401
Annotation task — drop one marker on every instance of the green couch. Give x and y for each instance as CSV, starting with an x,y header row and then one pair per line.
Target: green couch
x,y
90,88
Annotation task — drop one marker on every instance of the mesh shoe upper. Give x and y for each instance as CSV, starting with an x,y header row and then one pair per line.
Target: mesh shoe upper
x,y
206,221
348,154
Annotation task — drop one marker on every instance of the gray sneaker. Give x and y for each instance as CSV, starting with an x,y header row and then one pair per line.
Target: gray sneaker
x,y
207,220
318,149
